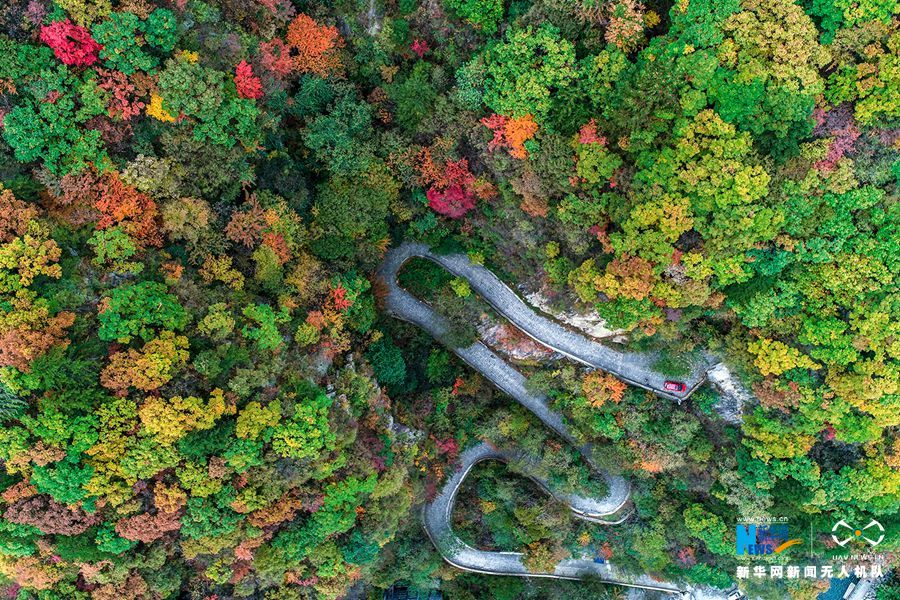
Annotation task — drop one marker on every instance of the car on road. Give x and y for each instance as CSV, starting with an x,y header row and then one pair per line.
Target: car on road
x,y
674,386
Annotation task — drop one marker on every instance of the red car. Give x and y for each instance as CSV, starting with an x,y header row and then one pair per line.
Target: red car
x,y
674,386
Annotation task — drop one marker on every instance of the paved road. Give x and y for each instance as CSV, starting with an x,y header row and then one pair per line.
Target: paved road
x,y
610,510
632,367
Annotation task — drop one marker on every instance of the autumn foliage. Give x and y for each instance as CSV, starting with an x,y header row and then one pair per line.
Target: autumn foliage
x,y
202,391
247,226
28,325
453,190
146,369
29,330
14,216
275,56
122,205
599,388
49,516
147,527
72,44
248,85
307,48
420,48
124,97
511,133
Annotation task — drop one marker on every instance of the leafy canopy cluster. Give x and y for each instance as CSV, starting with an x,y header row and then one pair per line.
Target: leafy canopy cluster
x,y
200,395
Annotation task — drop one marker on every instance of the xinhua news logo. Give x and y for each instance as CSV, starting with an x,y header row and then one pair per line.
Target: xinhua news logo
x,y
759,540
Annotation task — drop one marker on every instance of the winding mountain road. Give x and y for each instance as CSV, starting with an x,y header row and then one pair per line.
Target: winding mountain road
x,y
634,368
609,510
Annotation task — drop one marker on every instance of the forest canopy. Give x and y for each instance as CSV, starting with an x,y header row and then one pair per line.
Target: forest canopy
x,y
202,397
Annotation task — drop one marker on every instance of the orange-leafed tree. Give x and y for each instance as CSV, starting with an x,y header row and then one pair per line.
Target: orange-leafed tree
x,y
148,528
29,329
315,47
530,186
511,133
28,326
123,205
599,388
247,226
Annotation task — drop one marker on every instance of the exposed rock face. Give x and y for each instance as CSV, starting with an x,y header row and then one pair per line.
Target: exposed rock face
x,y
733,394
509,341
373,19
590,323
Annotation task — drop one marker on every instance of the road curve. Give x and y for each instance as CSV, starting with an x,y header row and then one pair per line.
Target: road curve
x,y
634,368
437,517
631,367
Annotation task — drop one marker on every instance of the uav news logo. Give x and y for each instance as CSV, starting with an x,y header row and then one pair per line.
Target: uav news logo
x,y
758,540
842,533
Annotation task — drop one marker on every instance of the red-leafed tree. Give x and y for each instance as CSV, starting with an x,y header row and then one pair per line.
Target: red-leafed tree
x,y
339,299
275,56
588,134
124,102
838,124
279,246
248,85
420,48
453,195
72,44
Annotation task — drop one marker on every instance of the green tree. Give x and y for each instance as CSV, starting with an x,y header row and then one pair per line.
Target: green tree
x,y
351,213
212,516
771,57
484,14
340,137
64,481
264,329
210,99
306,433
11,405
387,362
524,70
113,249
414,95
709,181
140,309
54,132
710,529
118,36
